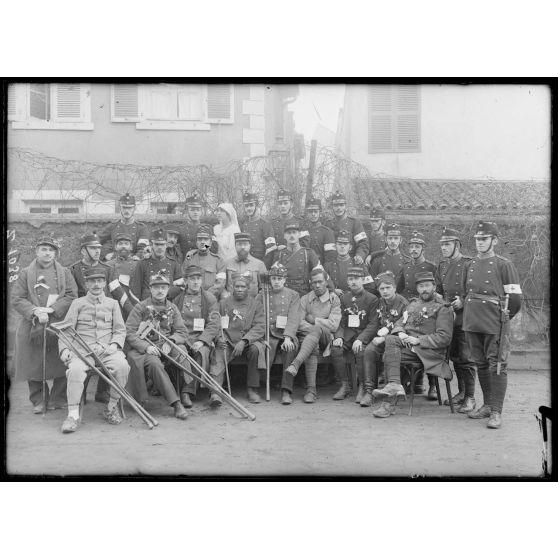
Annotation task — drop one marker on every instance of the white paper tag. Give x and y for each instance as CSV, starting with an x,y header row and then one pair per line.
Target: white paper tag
x,y
354,321
225,322
199,324
281,322
52,298
124,279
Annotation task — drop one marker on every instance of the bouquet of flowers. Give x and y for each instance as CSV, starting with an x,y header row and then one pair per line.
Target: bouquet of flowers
x,y
353,309
418,317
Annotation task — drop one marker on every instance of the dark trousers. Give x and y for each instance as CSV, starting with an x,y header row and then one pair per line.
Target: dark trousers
x,y
484,352
202,358
460,355
160,374
217,366
55,394
373,356
340,366
396,354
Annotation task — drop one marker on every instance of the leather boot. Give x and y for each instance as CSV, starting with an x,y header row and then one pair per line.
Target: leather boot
x,y
185,399
286,398
179,411
253,395
431,396
467,406
215,400
495,420
366,401
359,395
343,391
385,410
310,396
483,412
419,383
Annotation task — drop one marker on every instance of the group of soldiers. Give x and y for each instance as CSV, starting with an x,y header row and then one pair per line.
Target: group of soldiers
x,y
324,290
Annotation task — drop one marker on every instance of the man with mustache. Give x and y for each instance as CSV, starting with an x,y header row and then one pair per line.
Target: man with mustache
x,y
174,251
187,239
245,264
322,238
286,215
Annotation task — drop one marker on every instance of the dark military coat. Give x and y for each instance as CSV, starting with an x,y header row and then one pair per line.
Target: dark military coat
x,y
286,304
386,313
214,269
356,231
322,241
449,282
77,268
175,253
337,271
278,224
139,283
362,307
263,243
388,262
406,281
299,264
137,230
188,235
120,278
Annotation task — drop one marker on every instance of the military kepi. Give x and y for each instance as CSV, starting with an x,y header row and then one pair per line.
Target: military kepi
x,y
158,235
249,197
393,229
377,213
417,238
355,271
424,276
313,203
204,231
486,228
242,237
122,236
90,240
193,270
194,200
284,195
158,279
277,270
95,272
338,197
292,225
449,234
47,241
343,236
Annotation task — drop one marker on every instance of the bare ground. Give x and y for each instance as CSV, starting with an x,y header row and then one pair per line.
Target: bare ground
x,y
328,438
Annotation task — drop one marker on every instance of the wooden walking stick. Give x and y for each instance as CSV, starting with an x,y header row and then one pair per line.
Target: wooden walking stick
x,y
267,353
504,318
225,354
44,369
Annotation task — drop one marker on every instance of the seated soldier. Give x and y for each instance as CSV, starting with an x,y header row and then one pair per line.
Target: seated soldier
x,y
98,320
354,332
284,317
320,318
144,356
388,310
243,330
421,335
201,318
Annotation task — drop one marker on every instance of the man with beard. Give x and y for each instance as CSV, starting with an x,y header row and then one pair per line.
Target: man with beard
x,y
144,358
449,283
342,221
487,280
388,310
157,263
245,264
263,244
421,335
122,268
286,215
187,240
98,320
320,311
322,238
391,259
354,332
174,251
243,324
200,313
137,230
284,317
41,295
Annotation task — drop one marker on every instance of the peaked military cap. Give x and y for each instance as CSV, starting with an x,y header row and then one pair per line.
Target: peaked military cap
x,y
90,240
338,197
393,229
158,235
277,270
95,272
355,271
377,213
47,241
127,200
173,231
417,238
158,279
122,236
242,237
249,197
424,276
193,270
486,228
246,277
385,277
194,199
283,195
343,236
449,234
292,225
313,203
204,231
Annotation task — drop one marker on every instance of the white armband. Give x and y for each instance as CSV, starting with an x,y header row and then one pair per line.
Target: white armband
x,y
360,236
512,289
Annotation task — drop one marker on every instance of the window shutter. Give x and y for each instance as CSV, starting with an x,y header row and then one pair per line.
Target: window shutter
x,y
39,101
380,129
189,102
408,119
124,103
71,102
12,114
220,103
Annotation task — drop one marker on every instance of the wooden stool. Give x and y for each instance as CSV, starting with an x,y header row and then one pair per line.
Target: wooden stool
x,y
413,369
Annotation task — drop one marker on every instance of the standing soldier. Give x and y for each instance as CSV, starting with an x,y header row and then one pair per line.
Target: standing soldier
x,y
192,222
284,317
122,268
90,248
213,266
157,263
261,232
337,269
391,259
322,238
137,230
375,232
354,332
286,215
342,221
41,295
298,261
489,282
199,311
173,248
449,283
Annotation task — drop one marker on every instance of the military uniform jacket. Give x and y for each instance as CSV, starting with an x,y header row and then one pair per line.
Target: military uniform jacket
x,y
286,304
199,306
388,262
299,264
376,241
337,271
151,266
120,276
406,280
251,268
263,243
432,323
175,253
387,313
137,230
361,308
278,224
326,311
187,236
214,269
485,282
77,268
449,282
322,241
356,232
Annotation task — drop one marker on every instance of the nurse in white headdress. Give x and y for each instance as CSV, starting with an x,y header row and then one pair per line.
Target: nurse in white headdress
x,y
226,229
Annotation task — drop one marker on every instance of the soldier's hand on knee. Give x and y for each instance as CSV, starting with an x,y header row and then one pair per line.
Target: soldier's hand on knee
x,y
151,350
338,342
166,348
238,348
197,346
111,349
357,346
383,332
65,356
378,341
288,345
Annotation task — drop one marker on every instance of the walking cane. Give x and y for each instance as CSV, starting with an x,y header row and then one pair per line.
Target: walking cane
x,y
44,369
225,354
267,355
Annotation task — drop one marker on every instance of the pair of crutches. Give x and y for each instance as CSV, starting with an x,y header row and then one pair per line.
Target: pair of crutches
x,y
74,342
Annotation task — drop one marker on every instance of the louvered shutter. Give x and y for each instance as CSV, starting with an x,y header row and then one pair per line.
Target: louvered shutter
x,y
71,102
407,119
12,114
220,103
380,129
124,103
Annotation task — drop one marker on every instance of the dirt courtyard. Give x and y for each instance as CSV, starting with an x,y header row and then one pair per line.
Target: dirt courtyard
x,y
328,438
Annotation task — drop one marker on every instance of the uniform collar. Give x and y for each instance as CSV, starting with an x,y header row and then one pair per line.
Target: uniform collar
x,y
94,299
324,298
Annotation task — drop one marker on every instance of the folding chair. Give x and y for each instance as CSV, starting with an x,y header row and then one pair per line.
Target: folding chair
x,y
83,400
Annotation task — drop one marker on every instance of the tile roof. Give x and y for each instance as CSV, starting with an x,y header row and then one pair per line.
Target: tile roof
x,y
455,195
